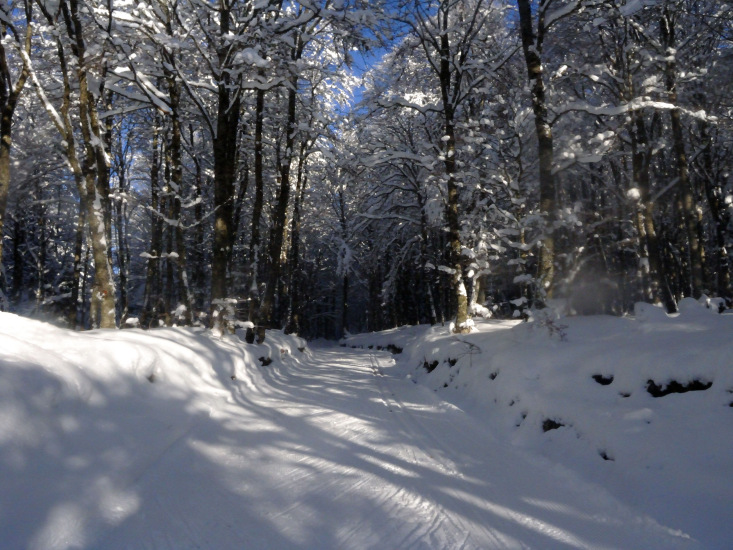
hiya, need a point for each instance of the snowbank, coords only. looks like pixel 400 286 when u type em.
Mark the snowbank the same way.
pixel 642 406
pixel 83 416
pixel 174 438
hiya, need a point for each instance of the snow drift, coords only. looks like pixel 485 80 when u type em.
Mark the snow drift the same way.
pixel 174 438
pixel 641 405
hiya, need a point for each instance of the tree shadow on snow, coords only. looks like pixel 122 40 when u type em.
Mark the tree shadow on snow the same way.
pixel 301 455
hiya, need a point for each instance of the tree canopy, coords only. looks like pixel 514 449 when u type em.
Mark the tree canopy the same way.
pixel 233 161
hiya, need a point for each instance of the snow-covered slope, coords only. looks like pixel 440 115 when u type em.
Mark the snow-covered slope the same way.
pixel 93 425
pixel 174 439
pixel 580 391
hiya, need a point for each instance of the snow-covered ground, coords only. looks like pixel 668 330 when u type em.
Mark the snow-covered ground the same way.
pixel 579 391
pixel 175 439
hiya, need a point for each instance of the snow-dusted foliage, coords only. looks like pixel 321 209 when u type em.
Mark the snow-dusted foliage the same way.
pixel 348 165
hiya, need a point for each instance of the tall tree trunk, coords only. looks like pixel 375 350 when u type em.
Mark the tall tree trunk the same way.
pixel 694 253
pixel 532 46
pixel 4 188
pixel 255 238
pixel 84 284
pixel 9 96
pixel 18 238
pixel 184 288
pixel 646 226
pixel 198 275
pixel 269 311
pixel 452 204
pixel 225 154
pixel 123 254
pixel 77 299
pixel 151 300
pixel 424 260
pixel 292 324
pixel 92 174
pixel 169 286
pixel 721 215
pixel 239 202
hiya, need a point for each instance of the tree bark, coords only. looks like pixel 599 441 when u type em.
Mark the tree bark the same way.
pixel 198 275
pixel 184 288
pixel 532 46
pixel 254 243
pixel 91 174
pixel 721 215
pixel 292 324
pixel 695 252
pixel 77 298
pixel 269 311
pixel 9 96
pixel 424 260
pixel 225 154
pixel 151 300
pixel 121 227
pixel 448 90
pixel 649 245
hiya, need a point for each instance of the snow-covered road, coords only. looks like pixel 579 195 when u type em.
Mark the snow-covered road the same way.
pixel 333 449
pixel 342 453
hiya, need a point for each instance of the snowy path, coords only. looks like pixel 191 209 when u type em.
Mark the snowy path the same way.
pixel 339 453
pixel 332 449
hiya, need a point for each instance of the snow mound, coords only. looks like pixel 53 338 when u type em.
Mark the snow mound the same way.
pixel 643 405
pixel 84 416
pixel 176 438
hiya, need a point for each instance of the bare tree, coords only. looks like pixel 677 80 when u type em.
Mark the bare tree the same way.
pixel 89 159
pixel 10 91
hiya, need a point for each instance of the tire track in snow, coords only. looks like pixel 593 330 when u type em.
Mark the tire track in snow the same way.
pixel 411 425
pixel 386 474
pixel 417 434
pixel 472 508
pixel 493 488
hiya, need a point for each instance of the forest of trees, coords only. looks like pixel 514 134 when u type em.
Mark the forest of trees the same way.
pixel 326 166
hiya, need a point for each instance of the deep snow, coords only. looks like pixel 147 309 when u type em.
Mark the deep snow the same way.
pixel 669 457
pixel 177 439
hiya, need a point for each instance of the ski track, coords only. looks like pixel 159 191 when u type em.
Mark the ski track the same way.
pixel 396 467
pixel 339 451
